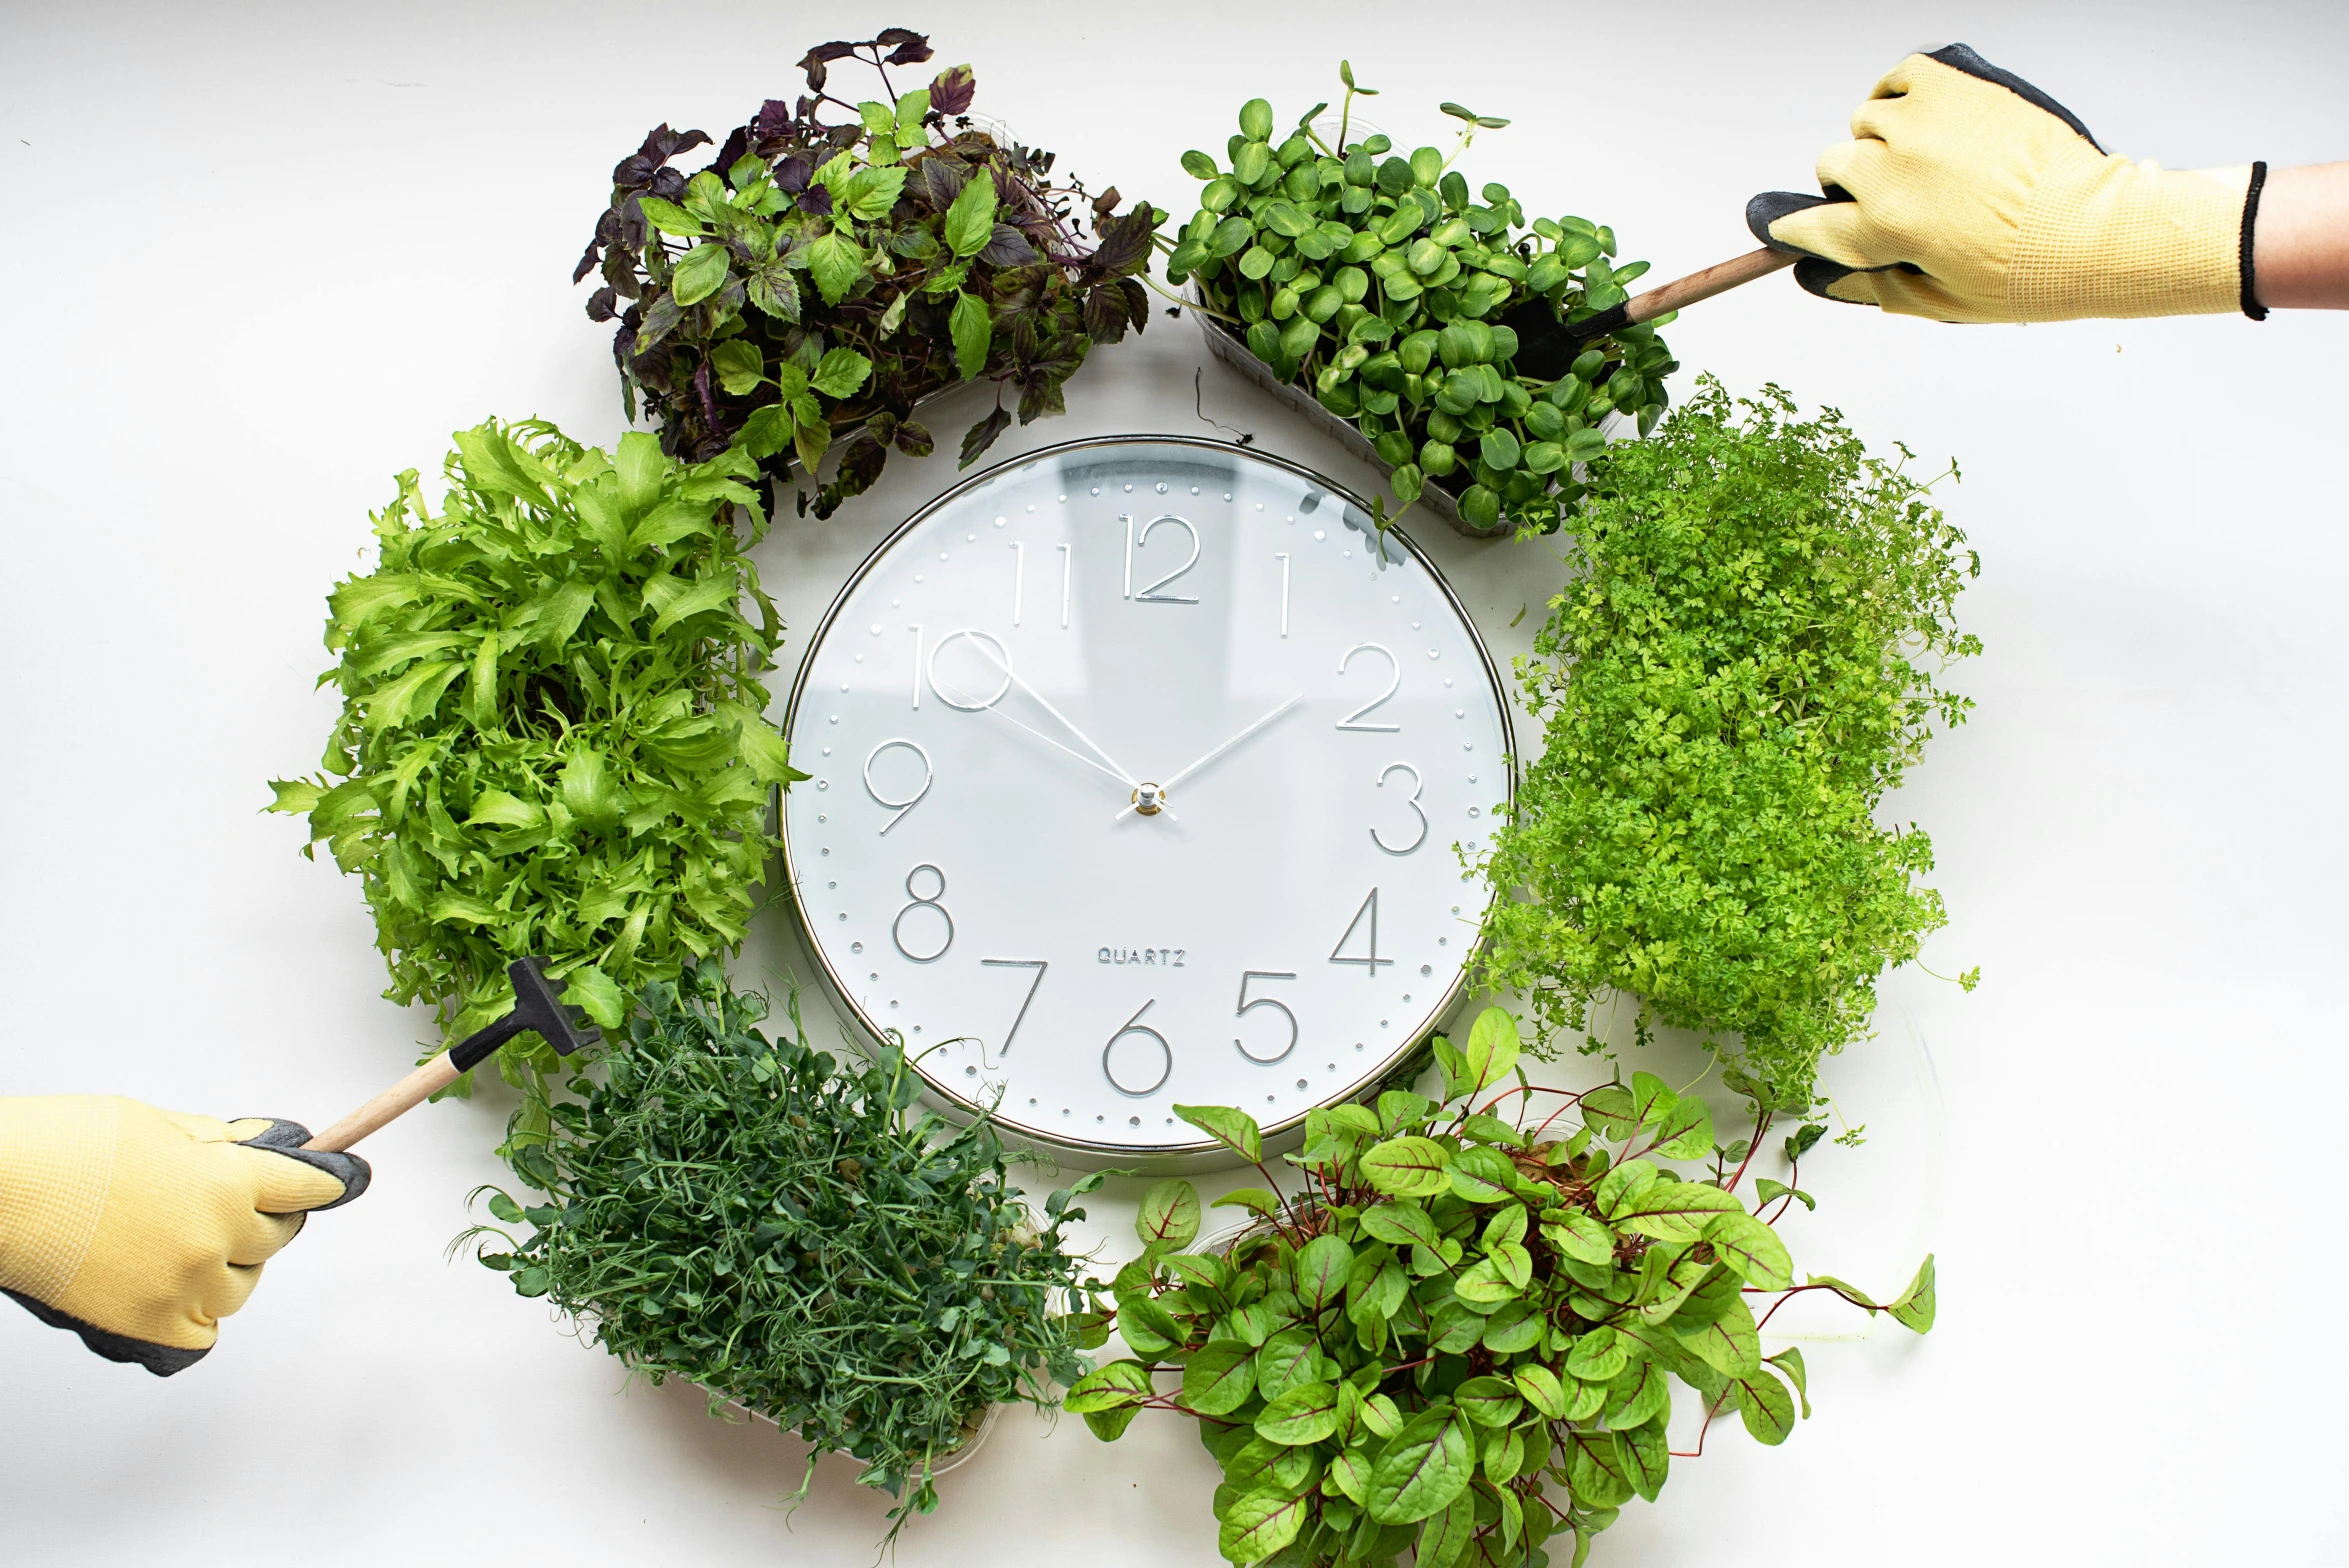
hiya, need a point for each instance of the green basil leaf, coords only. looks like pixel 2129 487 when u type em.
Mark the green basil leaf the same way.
pixel 973 330
pixel 835 261
pixel 670 218
pixel 738 364
pixel 700 273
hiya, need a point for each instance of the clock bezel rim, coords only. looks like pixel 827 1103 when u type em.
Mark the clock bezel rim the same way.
pixel 944 1096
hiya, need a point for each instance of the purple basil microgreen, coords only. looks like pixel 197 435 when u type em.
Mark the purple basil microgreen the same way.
pixel 856 236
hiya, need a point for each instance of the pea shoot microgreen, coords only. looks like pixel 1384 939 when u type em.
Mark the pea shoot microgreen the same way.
pixel 767 1221
pixel 1427 314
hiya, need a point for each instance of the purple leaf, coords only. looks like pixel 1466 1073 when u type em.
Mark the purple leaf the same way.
pixel 915 440
pixel 668 185
pixel 660 145
pixel 737 143
pixel 951 89
pixel 701 390
pixel 982 435
pixel 1125 242
pixel 914 51
pixel 942 180
pixel 792 173
pixel 817 200
pixel 1009 248
pixel 587 262
pixel 1105 313
pixel 774 119
pixel 660 319
pixel 1040 383
pixel 814 62
pixel 600 303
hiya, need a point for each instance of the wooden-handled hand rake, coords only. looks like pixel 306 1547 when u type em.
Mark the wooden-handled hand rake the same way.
pixel 1549 347
pixel 538 1007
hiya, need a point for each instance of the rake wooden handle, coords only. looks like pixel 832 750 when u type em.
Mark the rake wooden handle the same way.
pixel 410 1092
pixel 1704 285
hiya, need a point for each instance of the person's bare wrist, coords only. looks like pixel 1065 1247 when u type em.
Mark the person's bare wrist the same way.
pixel 2300 242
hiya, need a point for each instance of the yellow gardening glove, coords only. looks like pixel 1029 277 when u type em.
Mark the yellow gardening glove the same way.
pixel 1970 195
pixel 141 1229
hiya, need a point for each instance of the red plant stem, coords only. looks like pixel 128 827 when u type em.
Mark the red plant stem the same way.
pixel 1797 1290
pixel 1711 1410
pixel 1753 1147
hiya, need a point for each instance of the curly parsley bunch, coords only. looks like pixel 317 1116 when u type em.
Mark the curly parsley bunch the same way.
pixel 553 738
pixel 1749 656
pixel 764 1220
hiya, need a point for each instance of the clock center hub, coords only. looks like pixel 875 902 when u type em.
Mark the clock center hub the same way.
pixel 1149 799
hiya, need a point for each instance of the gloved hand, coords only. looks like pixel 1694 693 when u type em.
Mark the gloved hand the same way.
pixel 1970 195
pixel 141 1229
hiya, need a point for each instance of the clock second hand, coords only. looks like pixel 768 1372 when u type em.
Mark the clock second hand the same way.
pixel 1219 751
pixel 1065 751
pixel 1013 675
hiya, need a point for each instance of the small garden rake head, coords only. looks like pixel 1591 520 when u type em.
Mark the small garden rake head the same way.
pixel 538 1008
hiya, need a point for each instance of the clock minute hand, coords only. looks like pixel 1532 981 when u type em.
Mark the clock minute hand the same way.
pixel 1014 676
pixel 1226 746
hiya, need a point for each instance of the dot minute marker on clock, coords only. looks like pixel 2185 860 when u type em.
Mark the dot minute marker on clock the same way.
pixel 1146 771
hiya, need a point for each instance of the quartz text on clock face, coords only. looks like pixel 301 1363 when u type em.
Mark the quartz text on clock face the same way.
pixel 1144 772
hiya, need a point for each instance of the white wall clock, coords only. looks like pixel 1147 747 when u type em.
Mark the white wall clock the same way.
pixel 1143 772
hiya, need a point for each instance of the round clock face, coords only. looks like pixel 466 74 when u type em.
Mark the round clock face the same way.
pixel 1143 773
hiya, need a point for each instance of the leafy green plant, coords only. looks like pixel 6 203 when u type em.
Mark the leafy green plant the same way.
pixel 1428 316
pixel 766 1221
pixel 1749 654
pixel 1458 1308
pixel 552 738
pixel 823 276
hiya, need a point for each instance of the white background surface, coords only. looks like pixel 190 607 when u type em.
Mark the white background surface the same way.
pixel 259 258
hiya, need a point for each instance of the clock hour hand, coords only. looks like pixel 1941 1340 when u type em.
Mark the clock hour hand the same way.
pixel 1220 750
